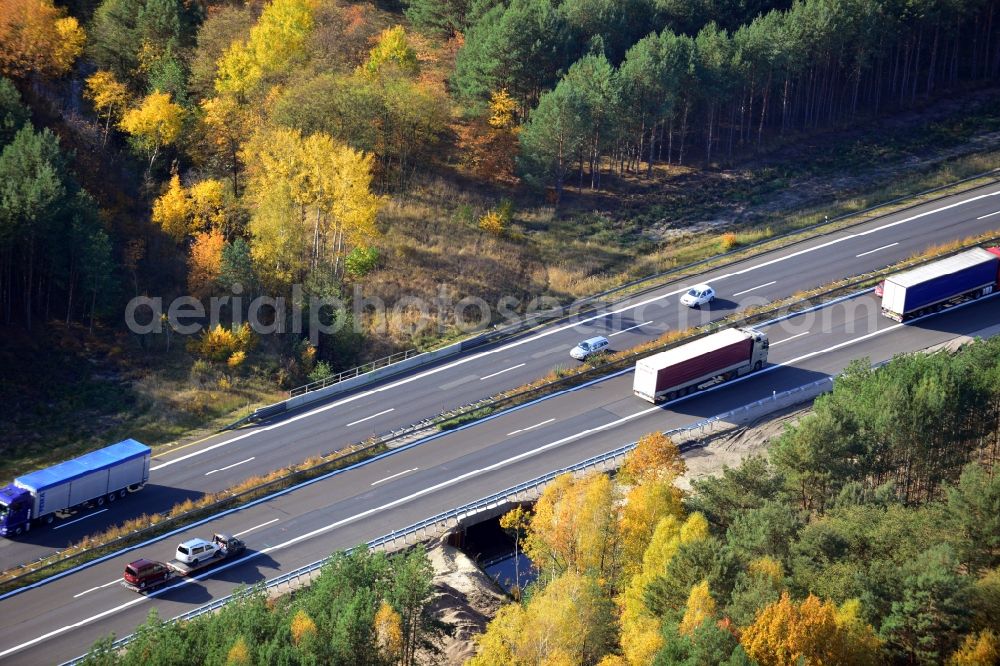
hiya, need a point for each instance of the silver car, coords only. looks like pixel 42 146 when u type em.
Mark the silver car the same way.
pixel 588 347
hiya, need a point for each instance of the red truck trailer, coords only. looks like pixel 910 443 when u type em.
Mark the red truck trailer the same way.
pixel 702 362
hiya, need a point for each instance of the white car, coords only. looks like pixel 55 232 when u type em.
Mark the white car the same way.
pixel 588 347
pixel 698 295
pixel 193 551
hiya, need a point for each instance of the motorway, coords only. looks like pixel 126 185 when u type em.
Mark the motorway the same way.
pixel 59 620
pixel 222 460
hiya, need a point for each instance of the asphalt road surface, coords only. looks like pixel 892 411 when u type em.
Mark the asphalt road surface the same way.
pixel 226 459
pixel 59 620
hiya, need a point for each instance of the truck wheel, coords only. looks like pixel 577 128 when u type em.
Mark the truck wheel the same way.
pixel 49 518
pixel 112 497
pixel 122 492
pixel 18 530
pixel 756 366
pixel 99 501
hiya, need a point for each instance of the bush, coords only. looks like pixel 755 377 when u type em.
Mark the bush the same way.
pixel 361 261
pixel 320 372
pixel 492 223
pixel 220 344
pixel 728 241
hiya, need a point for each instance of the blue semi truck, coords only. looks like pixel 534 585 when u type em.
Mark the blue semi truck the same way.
pixel 90 480
pixel 941 283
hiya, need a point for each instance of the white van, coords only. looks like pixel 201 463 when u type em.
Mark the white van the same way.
pixel 588 347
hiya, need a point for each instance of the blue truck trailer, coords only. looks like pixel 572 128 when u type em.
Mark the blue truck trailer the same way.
pixel 936 285
pixel 92 479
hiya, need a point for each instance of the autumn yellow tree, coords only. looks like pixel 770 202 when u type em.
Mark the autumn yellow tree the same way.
pixel 569 621
pixel 302 628
pixel 645 506
pixel 612 660
pixel 36 37
pixel 337 187
pixel 651 467
pixel 575 528
pixel 276 42
pixel 205 262
pixel 641 636
pixel 182 212
pixel 502 109
pixel 239 653
pixel 392 53
pixel 858 642
pixel 571 615
pixel 172 210
pixel 312 201
pixel 700 607
pixel 516 522
pixel 769 568
pixel 490 147
pixel 497 645
pixel 978 649
pixel 811 633
pixel 109 97
pixel 227 124
pixel 155 123
pixel 208 206
pixel 655 456
pixel 389 632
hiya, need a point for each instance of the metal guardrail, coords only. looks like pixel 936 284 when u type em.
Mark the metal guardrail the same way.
pixel 353 372
pixel 504 496
pixel 591 302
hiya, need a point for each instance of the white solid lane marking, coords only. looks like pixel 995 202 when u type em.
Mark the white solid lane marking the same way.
pixel 537 425
pixel 797 335
pixel 513 367
pixel 204 450
pixel 89 515
pixel 558 329
pixel 884 247
pixel 98 587
pixel 760 286
pixel 646 323
pixel 256 527
pixel 983 217
pixel 369 418
pixel 393 476
pixel 223 469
